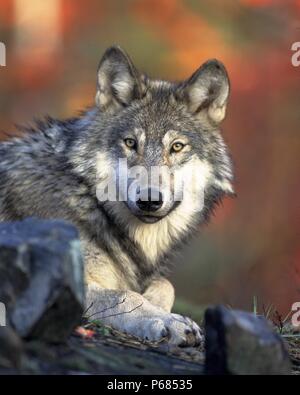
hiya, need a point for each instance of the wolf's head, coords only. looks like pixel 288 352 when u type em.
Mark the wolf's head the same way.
pixel 158 145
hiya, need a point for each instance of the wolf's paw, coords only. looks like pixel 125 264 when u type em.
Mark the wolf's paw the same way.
pixel 177 330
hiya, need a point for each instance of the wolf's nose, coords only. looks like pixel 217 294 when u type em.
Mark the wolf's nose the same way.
pixel 151 202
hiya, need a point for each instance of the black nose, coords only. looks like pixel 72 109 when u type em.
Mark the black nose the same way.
pixel 153 203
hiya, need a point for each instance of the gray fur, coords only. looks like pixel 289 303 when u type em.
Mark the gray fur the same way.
pixel 51 172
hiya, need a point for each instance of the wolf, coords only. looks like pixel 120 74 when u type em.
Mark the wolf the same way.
pixel 61 169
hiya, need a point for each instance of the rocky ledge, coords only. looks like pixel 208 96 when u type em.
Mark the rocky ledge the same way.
pixel 43 330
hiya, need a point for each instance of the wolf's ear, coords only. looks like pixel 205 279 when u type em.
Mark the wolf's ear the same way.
pixel 118 82
pixel 208 90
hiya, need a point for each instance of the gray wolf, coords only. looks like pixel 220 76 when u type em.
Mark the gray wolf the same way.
pixel 58 169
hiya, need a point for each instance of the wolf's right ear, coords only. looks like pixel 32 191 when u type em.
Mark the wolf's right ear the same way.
pixel 118 81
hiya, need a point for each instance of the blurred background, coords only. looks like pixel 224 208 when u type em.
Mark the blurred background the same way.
pixel 252 245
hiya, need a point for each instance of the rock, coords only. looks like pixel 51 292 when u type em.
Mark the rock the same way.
pixel 41 278
pixel 241 343
pixel 11 348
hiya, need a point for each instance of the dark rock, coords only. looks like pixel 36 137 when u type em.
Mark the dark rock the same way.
pixel 11 348
pixel 241 343
pixel 41 278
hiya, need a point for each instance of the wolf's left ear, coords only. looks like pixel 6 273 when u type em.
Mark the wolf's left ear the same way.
pixel 208 90
pixel 118 82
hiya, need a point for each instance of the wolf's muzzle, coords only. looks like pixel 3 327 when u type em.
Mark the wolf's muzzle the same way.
pixel 150 201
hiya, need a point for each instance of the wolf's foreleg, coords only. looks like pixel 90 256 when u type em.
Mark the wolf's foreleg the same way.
pixel 160 292
pixel 130 312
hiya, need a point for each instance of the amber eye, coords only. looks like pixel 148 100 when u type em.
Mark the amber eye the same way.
pixel 130 143
pixel 177 147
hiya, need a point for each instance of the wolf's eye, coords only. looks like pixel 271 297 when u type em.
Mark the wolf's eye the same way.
pixel 130 143
pixel 177 147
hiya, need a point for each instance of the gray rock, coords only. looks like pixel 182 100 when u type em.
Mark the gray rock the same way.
pixel 11 348
pixel 241 343
pixel 41 278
